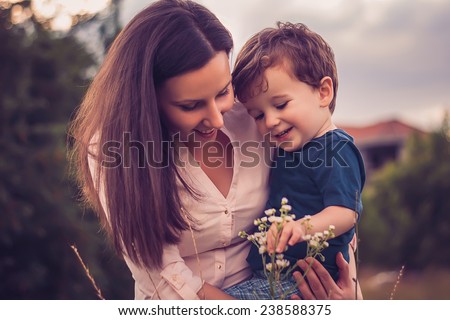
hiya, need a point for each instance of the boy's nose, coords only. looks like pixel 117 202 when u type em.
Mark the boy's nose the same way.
pixel 271 121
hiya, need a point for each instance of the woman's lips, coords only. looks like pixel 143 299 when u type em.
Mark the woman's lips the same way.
pixel 206 133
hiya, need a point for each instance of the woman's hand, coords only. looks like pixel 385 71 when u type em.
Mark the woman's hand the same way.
pixel 320 284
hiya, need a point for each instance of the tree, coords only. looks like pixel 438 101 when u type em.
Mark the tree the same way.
pixel 407 218
pixel 43 77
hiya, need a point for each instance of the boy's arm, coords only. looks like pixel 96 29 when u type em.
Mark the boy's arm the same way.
pixel 340 185
pixel 343 219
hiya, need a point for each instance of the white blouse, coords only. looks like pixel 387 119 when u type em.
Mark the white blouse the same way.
pixel 212 251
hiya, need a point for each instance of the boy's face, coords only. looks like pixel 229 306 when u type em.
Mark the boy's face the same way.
pixel 290 111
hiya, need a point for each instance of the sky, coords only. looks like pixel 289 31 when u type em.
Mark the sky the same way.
pixel 393 56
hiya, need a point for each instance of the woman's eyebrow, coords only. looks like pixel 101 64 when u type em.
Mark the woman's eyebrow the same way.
pixel 197 100
pixel 186 101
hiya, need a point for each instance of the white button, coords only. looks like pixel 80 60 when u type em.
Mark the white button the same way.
pixel 219 266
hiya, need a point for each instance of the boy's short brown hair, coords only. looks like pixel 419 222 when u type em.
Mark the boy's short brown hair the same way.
pixel 303 53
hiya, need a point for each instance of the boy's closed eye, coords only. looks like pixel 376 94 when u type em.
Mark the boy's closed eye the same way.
pixel 282 105
pixel 260 116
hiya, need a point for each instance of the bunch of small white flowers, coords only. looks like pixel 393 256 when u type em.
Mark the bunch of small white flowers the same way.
pixel 278 268
pixel 318 241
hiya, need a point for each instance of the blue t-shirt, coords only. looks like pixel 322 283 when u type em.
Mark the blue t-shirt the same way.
pixel 327 171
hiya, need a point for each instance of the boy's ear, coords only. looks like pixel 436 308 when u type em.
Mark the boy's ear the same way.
pixel 326 91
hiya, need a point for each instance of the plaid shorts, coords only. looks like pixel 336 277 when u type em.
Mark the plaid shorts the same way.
pixel 257 288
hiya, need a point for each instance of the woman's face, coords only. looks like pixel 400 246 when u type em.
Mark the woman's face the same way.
pixel 193 103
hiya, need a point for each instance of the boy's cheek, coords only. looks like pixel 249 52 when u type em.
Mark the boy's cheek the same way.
pixel 262 127
pixel 268 139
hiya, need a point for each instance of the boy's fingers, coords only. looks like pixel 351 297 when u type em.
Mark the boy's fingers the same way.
pixel 295 238
pixel 271 234
pixel 285 235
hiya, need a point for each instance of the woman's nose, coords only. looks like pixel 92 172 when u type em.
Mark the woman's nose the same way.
pixel 214 117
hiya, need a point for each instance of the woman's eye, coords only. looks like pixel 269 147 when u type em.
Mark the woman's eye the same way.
pixel 224 93
pixel 188 107
pixel 259 116
pixel 281 106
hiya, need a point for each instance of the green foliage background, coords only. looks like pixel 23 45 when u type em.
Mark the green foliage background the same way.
pixel 42 80
pixel 407 207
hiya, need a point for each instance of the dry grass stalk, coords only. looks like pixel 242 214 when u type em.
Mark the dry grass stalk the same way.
pixel 399 277
pixel 86 270
pixel 355 247
pixel 196 254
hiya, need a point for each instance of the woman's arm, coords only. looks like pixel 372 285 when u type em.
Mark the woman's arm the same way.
pixel 173 281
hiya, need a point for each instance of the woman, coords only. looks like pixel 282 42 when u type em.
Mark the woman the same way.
pixel 157 154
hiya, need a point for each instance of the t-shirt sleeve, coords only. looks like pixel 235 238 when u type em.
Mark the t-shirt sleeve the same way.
pixel 339 175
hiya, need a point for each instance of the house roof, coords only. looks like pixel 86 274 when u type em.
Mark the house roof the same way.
pixel 386 131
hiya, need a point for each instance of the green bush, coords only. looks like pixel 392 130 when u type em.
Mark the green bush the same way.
pixel 406 206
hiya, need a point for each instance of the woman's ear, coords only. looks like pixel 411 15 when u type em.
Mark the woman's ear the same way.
pixel 326 91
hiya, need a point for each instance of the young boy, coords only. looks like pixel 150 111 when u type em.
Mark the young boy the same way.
pixel 286 77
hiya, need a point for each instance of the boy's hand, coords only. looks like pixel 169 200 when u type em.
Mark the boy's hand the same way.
pixel 291 233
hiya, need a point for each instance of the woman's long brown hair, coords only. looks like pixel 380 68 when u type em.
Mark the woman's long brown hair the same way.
pixel 142 203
